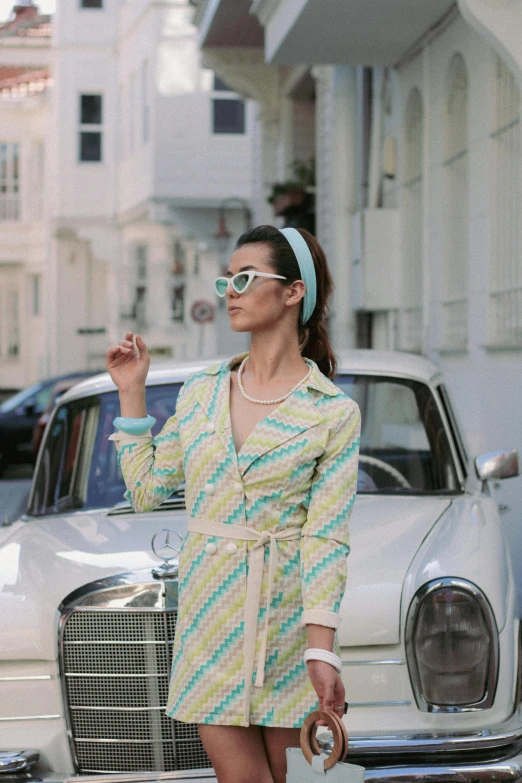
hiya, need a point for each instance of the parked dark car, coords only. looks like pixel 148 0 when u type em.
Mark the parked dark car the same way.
pixel 59 388
pixel 19 415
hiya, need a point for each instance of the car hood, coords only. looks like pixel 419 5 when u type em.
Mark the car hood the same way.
pixel 43 560
pixel 386 533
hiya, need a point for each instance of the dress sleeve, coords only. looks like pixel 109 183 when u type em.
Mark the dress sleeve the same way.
pixel 325 535
pixel 152 467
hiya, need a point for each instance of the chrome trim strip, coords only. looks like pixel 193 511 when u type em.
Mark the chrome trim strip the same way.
pixel 118 676
pixel 390 662
pixel 29 677
pixel 152 609
pixel 492 676
pixel 116 641
pixel 31 717
pixel 104 741
pixel 137 777
pixel 115 709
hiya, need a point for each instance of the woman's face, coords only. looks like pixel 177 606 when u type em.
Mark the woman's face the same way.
pixel 263 304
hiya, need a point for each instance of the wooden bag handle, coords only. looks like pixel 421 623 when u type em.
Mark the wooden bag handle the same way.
pixel 309 743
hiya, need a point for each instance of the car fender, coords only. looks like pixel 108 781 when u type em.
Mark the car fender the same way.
pixel 468 542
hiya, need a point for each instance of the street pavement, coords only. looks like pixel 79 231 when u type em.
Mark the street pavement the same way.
pixel 14 492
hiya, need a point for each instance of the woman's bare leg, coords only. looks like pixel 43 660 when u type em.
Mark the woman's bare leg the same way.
pixel 237 753
pixel 276 742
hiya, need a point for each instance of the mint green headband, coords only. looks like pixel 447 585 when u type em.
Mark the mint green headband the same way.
pixel 306 268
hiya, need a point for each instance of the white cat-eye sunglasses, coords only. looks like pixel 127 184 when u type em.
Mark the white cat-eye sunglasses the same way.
pixel 241 281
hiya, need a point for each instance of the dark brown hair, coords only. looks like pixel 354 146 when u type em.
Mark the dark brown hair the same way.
pixel 314 340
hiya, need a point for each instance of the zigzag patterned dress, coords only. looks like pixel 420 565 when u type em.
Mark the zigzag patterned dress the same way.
pixel 296 471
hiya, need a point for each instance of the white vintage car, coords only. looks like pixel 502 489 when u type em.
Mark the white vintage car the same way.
pixel 430 632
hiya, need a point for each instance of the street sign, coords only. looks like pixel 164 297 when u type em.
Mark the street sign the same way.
pixel 202 311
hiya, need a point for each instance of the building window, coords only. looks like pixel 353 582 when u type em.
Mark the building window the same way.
pixel 228 109
pixel 505 275
pixel 139 308
pixel 454 306
pixel 410 324
pixel 36 283
pixel 145 109
pixel 177 303
pixel 38 179
pixel 132 111
pixel 91 127
pixel 91 3
pixel 13 324
pixel 9 181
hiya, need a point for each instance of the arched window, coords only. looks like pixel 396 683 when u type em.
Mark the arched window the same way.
pixel 505 300
pixel 410 325
pixel 454 315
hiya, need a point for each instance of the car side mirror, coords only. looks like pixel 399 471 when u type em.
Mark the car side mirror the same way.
pixel 497 464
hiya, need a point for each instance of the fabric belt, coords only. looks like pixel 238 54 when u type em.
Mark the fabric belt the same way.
pixel 254 582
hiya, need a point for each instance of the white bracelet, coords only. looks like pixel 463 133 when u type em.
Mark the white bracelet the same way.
pixel 318 654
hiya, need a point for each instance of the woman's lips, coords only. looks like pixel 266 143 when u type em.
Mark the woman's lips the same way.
pixel 232 310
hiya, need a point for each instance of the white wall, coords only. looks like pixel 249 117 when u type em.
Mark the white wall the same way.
pixel 485 383
pixel 23 242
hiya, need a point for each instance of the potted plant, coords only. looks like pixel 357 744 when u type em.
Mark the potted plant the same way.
pixel 292 194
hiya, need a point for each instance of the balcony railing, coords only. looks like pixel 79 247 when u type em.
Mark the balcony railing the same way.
pixel 505 317
pixel 410 329
pixel 454 324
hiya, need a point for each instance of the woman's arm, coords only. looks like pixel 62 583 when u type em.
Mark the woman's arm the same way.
pixel 325 535
pixel 324 548
pixel 152 469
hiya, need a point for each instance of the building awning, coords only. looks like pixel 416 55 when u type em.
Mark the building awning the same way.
pixel 228 23
pixel 352 32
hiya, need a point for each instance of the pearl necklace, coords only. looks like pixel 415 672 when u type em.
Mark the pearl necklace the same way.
pixel 267 402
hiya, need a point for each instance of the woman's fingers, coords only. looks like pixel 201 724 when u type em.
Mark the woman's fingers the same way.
pixel 328 695
pixel 139 342
pixel 117 352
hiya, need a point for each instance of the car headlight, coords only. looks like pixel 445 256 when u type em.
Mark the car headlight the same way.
pixel 452 647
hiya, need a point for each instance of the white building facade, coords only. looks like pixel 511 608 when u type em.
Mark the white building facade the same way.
pixel 126 157
pixel 418 204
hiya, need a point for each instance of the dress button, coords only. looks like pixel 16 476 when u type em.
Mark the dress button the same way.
pixel 210 428
pixel 209 489
pixel 210 548
pixel 238 486
pixel 231 548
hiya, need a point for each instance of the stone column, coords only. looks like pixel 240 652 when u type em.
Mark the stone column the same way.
pixel 336 188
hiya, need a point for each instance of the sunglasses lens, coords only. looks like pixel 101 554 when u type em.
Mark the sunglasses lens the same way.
pixel 241 282
pixel 221 286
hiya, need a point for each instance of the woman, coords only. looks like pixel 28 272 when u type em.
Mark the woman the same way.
pixel 268 447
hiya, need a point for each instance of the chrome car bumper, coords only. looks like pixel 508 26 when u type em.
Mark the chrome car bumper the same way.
pixel 493 754
pixel 499 771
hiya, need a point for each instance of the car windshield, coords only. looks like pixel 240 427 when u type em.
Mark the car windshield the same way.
pixel 404 444
pixel 78 466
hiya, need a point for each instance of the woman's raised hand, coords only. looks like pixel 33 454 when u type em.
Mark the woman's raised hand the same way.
pixel 128 363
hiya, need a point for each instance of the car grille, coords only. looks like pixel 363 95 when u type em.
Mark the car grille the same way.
pixel 115 667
